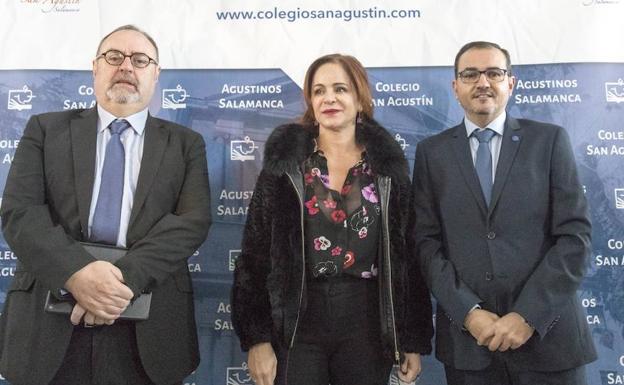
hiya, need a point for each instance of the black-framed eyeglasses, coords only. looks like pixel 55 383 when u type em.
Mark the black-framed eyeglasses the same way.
pixel 494 75
pixel 115 58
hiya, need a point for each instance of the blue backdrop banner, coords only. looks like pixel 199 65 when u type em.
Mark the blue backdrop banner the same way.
pixel 235 111
pixel 233 71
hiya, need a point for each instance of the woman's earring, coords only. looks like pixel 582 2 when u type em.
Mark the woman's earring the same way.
pixel 358 118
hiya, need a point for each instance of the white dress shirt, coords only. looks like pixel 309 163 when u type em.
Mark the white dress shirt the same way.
pixel 132 140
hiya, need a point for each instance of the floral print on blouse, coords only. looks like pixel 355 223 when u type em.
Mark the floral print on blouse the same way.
pixel 341 227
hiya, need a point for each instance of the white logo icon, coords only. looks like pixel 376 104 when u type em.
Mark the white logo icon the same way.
pixel 401 141
pixel 20 99
pixel 173 98
pixel 239 376
pixel 619 198
pixel 242 149
pixel 232 259
pixel 615 91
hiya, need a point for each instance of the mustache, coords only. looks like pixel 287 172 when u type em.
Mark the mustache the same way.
pixel 477 94
pixel 124 78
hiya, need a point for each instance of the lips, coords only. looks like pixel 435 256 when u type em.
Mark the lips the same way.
pixel 483 95
pixel 330 111
pixel 127 81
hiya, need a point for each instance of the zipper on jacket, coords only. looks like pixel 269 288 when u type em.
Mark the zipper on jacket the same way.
pixel 385 227
pixel 303 267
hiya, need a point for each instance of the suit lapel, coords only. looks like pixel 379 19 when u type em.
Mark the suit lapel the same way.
pixel 461 149
pixel 509 148
pixel 83 132
pixel 156 137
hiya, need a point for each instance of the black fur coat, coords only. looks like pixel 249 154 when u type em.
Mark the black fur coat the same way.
pixel 268 290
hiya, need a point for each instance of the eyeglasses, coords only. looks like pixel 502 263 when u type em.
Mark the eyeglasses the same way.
pixel 138 59
pixel 494 75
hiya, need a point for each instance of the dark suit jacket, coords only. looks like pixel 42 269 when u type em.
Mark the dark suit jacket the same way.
pixel 45 211
pixel 526 253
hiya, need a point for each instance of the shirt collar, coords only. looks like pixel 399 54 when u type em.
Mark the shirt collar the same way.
pixel 497 125
pixel 137 120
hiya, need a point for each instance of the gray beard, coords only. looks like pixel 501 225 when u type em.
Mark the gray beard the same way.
pixel 122 96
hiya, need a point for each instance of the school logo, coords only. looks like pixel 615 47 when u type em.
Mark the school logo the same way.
pixel 51 6
pixel 614 91
pixel 238 376
pixel 402 142
pixel 174 98
pixel 20 99
pixel 619 198
pixel 232 259
pixel 242 149
pixel 589 3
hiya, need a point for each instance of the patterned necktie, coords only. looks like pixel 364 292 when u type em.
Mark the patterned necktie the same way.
pixel 105 225
pixel 483 163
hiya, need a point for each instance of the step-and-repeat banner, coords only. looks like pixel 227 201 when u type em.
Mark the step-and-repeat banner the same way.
pixel 232 72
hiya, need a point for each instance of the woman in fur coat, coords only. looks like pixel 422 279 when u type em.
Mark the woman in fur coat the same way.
pixel 321 291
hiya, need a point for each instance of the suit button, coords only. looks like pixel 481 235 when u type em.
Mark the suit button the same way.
pixel 488 276
pixel 491 235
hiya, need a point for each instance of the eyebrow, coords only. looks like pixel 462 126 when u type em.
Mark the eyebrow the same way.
pixel 488 68
pixel 124 52
pixel 334 84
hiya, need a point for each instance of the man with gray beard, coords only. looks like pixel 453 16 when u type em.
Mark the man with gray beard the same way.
pixel 111 175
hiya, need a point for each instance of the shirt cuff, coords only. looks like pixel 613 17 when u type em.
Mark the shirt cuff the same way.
pixel 475 307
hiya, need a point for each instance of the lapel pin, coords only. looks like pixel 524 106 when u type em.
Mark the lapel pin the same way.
pixel 515 138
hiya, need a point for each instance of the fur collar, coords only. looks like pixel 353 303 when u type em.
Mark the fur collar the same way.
pixel 289 146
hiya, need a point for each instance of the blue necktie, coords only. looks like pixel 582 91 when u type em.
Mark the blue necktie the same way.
pixel 483 163
pixel 105 225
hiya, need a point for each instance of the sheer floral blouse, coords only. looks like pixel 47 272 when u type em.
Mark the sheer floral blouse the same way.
pixel 341 227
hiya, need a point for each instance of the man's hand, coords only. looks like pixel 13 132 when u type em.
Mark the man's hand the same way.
pixel 510 331
pixel 262 363
pixel 99 289
pixel 410 368
pixel 479 320
pixel 78 313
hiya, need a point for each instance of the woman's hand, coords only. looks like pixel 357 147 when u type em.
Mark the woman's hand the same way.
pixel 262 363
pixel 410 368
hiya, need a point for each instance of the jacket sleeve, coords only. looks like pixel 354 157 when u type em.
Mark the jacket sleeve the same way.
pixel 42 246
pixel 251 309
pixel 417 328
pixel 177 234
pixel 455 297
pixel 559 274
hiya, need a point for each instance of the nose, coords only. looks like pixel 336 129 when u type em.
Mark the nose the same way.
pixel 329 97
pixel 126 65
pixel 483 81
